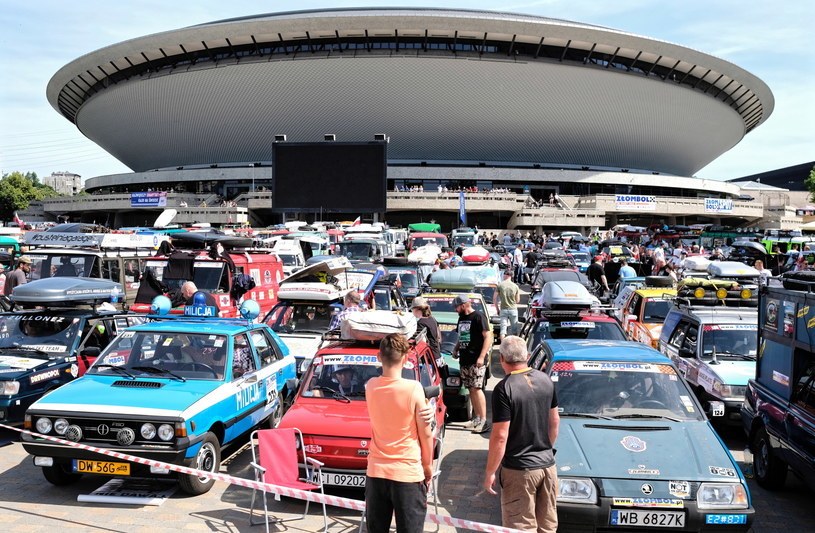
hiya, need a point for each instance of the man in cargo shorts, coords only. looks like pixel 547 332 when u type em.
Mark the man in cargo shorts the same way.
pixel 473 346
pixel 525 426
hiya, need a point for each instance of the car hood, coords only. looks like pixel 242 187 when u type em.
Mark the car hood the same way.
pixel 303 345
pixel 116 394
pixel 641 450
pixel 14 364
pixel 734 372
pixel 329 417
pixel 654 329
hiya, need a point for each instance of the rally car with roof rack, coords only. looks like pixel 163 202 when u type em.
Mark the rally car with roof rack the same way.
pixel 642 310
pixel 172 390
pixel 330 408
pixel 44 348
pixel 711 334
pixel 635 450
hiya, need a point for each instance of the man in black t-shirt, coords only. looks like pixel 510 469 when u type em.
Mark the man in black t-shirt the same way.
pixel 525 426
pixel 474 343
pixel 597 274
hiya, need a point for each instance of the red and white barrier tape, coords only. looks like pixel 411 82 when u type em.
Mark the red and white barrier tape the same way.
pixel 316 497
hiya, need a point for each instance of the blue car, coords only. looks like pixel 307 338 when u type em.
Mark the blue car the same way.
pixel 635 450
pixel 176 391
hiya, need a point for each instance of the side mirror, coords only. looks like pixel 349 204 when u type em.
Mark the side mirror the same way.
pixel 91 351
pixel 292 384
pixel 432 392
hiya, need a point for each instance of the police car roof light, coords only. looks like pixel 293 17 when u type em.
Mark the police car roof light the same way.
pixel 249 309
pixel 160 305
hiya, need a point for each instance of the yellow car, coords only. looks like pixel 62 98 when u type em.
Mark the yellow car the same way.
pixel 643 311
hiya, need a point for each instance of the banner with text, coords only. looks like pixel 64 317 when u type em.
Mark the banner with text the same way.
pixel 148 199
pixel 634 202
pixel 718 205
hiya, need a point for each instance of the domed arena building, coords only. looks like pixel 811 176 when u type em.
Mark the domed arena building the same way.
pixel 518 107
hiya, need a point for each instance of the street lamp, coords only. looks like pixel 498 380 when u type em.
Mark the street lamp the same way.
pixel 253 177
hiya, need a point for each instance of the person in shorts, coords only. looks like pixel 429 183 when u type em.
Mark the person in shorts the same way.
pixel 473 346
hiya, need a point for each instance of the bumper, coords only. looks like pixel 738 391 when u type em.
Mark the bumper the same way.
pixel 12 410
pixel 585 518
pixel 455 399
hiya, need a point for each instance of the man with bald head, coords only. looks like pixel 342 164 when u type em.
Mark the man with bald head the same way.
pixel 185 294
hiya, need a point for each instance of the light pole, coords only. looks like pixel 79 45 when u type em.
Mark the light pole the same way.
pixel 253 177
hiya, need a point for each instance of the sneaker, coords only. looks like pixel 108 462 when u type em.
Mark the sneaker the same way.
pixel 482 427
pixel 474 422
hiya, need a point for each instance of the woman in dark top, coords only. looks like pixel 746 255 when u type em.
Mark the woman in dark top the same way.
pixel 422 313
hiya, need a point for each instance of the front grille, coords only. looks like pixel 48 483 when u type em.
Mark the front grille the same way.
pixel 112 432
pixel 137 384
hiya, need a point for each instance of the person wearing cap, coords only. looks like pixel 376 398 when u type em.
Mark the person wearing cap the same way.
pixel 474 343
pixel 424 319
pixel 596 273
pixel 18 275
pixel 344 376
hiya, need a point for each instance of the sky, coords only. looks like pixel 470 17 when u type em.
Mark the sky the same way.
pixel 771 40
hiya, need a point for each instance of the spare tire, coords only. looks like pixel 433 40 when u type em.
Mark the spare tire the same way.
pixel 659 281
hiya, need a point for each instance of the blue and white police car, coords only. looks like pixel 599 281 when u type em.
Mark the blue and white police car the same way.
pixel 174 390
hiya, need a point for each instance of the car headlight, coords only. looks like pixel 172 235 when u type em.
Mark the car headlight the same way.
pixel 60 426
pixel 733 391
pixel 9 387
pixel 43 425
pixel 166 432
pixel 148 431
pixel 576 490
pixel 454 382
pixel 721 496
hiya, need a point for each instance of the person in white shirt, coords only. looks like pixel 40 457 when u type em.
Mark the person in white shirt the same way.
pixel 518 263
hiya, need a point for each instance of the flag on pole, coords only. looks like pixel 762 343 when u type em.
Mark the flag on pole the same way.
pixel 462 213
pixel 357 221
pixel 18 220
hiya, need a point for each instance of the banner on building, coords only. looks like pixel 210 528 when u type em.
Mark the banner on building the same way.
pixel 635 202
pixel 462 210
pixel 148 199
pixel 718 205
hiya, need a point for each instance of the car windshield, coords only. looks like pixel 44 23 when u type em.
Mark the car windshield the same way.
pixel 291 317
pixel 463 240
pixel 49 333
pixel 622 390
pixel 343 376
pixel 556 275
pixel 407 278
pixel 424 241
pixel 655 311
pixel 56 265
pixel 444 304
pixel 355 250
pixel 164 354
pixel 487 292
pixel 577 329
pixel 288 259
pixel 736 339
pixel 449 337
pixel 580 257
pixel 209 276
pixel 617 251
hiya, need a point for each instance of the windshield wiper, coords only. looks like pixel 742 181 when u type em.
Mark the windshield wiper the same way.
pixel 156 370
pixel 337 395
pixel 732 354
pixel 116 368
pixel 317 331
pixel 640 415
pixel 586 415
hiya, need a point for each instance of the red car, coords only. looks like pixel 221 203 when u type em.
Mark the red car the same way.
pixel 331 412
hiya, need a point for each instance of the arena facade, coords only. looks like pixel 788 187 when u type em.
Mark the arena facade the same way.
pixel 524 104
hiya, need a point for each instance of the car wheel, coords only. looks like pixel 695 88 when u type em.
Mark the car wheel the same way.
pixel 207 459
pixel 771 472
pixel 59 475
pixel 277 415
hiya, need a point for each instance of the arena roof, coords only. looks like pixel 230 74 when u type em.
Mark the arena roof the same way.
pixel 444 85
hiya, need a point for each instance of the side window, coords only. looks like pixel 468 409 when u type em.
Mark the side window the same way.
pixel 243 361
pixel 804 393
pixel 263 346
pixel 634 307
pixel 678 334
pixel 132 270
pixel 426 370
pixel 691 338
pixel 536 358
pixel 110 269
pixel 98 334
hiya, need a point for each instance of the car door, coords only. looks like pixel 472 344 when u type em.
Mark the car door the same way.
pixel 632 308
pixel 688 353
pixel 272 370
pixel 247 386
pixel 799 422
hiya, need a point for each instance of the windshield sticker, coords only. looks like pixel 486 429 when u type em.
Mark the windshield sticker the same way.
pixel 680 489
pixel 642 471
pixel 50 348
pixel 686 401
pixel 725 327
pixel 781 378
pixel 408 365
pixel 218 343
pixel 115 360
pixel 44 376
pixel 447 327
pixel 19 362
pixel 589 325
pixel 350 359
pixel 648 502
pixel 128 334
pixel 599 366
pixel 633 444
pixel 721 471
pixel 168 341
pixel 212 337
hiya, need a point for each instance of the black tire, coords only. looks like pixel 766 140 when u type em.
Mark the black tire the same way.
pixel 277 415
pixel 771 472
pixel 59 475
pixel 461 414
pixel 208 459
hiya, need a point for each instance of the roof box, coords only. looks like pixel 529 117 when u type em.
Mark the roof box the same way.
pixel 731 269
pixel 67 292
pixel 697 264
pixel 427 254
pixel 375 325
pixel 567 295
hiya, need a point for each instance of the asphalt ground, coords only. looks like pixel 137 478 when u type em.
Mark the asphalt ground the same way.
pixel 29 503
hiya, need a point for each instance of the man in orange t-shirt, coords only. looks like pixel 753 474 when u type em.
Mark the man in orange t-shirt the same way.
pixel 401 452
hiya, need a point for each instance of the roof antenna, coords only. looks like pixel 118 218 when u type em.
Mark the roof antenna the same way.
pixel 714 360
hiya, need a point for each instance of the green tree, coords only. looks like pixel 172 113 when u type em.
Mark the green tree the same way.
pixel 16 191
pixel 809 181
